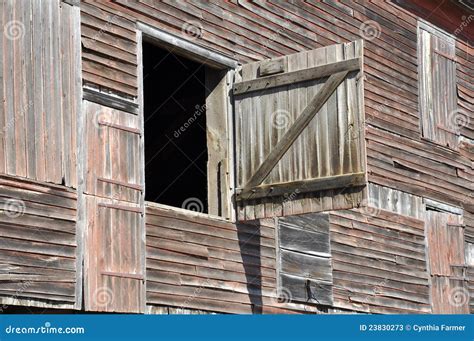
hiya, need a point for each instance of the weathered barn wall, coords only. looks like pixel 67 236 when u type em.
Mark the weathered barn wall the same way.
pixel 40 90
pixel 109 55
pixel 397 156
pixel 379 262
pixel 400 163
pixel 222 267
pixel 196 262
pixel 38 245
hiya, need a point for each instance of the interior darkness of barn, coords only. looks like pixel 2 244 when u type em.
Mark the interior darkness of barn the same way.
pixel 175 128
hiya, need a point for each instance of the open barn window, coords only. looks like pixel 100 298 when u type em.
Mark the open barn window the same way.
pixel 186 125
pixel 175 129
pixel 437 83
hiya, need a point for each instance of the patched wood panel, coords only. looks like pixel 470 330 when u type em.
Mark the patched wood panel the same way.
pixel 305 267
pixel 38 245
pixel 40 90
pixel 389 199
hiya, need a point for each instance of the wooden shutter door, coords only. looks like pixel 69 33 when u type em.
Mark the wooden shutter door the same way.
pixel 445 239
pixel 438 96
pixel 114 244
pixel 299 133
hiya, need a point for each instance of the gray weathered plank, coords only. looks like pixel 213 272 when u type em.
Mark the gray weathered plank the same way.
pixel 295 130
pixel 296 76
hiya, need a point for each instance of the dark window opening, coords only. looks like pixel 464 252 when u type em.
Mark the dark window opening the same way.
pixel 175 130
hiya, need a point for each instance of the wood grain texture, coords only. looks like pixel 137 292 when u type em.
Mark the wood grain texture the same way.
pixel 39 109
pixel 275 137
pixel 112 140
pixel 198 262
pixel 304 259
pixel 379 262
pixel 38 246
pixel 113 268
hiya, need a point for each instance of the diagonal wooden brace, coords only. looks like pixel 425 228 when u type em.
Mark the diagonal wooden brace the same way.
pixel 295 130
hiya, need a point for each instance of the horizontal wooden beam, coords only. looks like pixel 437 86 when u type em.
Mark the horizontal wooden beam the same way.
pixel 297 76
pixel 120 127
pixel 296 128
pixel 72 2
pixel 442 206
pixel 121 183
pixel 304 186
pixel 122 275
pixel 445 55
pixel 110 101
pixel 182 46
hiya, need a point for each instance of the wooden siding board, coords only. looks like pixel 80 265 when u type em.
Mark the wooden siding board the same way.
pixel 378 276
pixel 38 254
